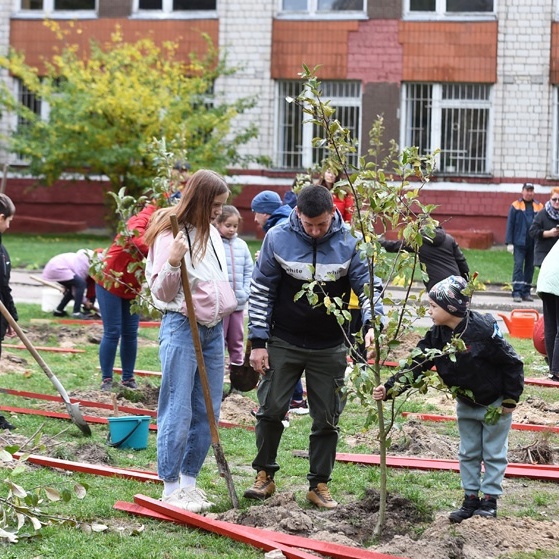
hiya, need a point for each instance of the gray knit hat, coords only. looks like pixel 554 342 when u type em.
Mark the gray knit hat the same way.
pixel 448 294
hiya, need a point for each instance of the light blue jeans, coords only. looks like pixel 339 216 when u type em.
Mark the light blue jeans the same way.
pixel 119 325
pixel 183 431
pixel 482 443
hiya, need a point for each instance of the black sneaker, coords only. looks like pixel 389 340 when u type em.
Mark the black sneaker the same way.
pixel 5 424
pixel 488 507
pixel 59 313
pixel 469 507
pixel 107 384
pixel 130 383
pixel 527 298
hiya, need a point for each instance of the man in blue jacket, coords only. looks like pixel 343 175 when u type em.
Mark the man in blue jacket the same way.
pixel 289 335
pixel 519 242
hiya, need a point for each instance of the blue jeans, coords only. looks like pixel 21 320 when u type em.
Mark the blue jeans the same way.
pixel 119 325
pixel 183 430
pixel 482 443
pixel 523 271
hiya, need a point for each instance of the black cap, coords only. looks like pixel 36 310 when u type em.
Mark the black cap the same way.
pixel 528 186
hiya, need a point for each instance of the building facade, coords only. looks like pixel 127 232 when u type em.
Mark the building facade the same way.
pixel 477 79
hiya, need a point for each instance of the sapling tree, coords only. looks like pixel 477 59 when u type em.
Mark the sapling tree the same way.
pixel 386 184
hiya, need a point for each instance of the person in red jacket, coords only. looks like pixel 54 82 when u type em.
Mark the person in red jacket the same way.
pixel 120 285
pixel 343 201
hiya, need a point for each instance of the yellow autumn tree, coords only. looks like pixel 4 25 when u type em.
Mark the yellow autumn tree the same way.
pixel 107 107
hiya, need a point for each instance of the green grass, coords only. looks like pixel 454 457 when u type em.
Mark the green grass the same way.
pixel 431 491
pixel 32 252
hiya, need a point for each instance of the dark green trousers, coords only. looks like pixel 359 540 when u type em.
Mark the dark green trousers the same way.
pixel 324 372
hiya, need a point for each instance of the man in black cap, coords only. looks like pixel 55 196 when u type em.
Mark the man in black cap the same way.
pixel 519 242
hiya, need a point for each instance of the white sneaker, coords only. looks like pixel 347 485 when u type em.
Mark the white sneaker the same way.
pixel 192 500
pixel 197 494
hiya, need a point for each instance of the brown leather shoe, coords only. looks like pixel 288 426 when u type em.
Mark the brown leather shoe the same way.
pixel 320 496
pixel 262 488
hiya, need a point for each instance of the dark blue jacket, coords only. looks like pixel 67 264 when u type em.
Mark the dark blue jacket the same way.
pixel 489 368
pixel 519 221
pixel 278 217
pixel 290 258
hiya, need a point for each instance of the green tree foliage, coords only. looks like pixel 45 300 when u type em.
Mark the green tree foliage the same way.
pixel 107 105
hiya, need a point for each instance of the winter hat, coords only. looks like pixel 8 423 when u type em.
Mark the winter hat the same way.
pixel 266 202
pixel 448 295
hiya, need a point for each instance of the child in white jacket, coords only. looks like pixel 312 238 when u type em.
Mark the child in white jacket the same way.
pixel 239 268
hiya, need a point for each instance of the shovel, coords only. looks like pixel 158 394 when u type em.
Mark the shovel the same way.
pixel 222 465
pixel 73 409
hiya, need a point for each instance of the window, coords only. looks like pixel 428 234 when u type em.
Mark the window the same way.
pixel 323 6
pixel 294 138
pixel 452 117
pixel 58 5
pixel 176 5
pixel 448 7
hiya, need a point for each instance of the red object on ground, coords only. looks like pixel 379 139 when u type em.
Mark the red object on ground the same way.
pixel 95 469
pixel 45 348
pixel 542 382
pixel 538 336
pixel 257 537
pixel 517 426
pixel 543 472
pixel 140 373
pixel 143 324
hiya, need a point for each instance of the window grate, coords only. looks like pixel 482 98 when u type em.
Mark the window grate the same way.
pixel 295 150
pixel 454 118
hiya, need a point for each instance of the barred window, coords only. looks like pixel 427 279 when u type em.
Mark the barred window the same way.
pixel 294 135
pixel 452 117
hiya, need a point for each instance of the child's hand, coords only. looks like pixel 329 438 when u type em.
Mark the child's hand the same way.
pixel 379 393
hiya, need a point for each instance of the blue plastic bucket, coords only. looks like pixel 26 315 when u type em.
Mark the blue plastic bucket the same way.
pixel 130 431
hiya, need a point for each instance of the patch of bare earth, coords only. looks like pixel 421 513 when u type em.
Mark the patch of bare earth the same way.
pixel 353 523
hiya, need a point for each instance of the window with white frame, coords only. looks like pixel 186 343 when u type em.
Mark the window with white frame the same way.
pixel 168 6
pixel 448 7
pixel 322 6
pixel 58 5
pixel 294 135
pixel 452 117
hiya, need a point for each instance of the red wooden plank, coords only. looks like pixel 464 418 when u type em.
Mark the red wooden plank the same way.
pixel 84 403
pixel 95 469
pixel 545 472
pixel 59 415
pixel 140 373
pixel 334 550
pixel 143 323
pixel 46 348
pixel 517 426
pixel 542 382
pixel 261 539
pixel 101 405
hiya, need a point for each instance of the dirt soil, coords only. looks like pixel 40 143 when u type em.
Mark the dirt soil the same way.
pixel 352 523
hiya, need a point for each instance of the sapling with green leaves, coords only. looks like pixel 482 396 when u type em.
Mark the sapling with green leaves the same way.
pixel 386 184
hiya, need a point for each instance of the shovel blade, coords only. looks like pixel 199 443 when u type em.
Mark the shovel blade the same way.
pixel 77 418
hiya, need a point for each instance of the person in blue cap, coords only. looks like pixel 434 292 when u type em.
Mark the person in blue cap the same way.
pixel 269 211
